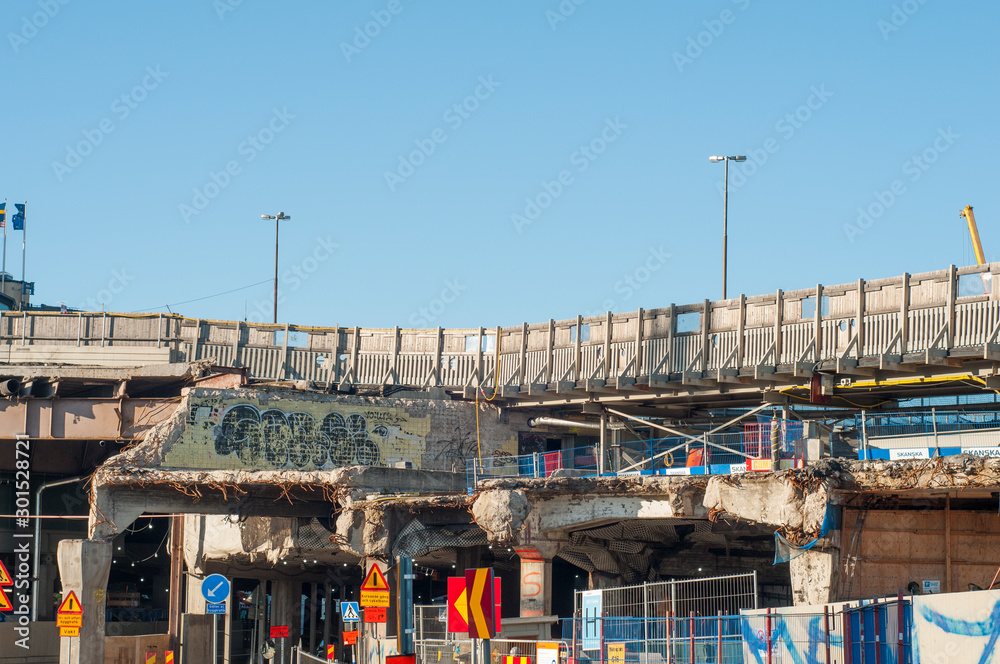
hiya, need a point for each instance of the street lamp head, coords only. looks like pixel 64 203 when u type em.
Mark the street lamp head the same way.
pixel 739 157
pixel 282 215
pixel 715 159
pixel 266 216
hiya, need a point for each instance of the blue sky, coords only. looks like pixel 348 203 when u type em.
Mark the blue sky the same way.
pixel 467 164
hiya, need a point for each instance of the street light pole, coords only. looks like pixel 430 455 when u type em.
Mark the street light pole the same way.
pixel 277 219
pixel 725 216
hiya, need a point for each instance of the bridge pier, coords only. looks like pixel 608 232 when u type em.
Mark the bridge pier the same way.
pixel 84 566
pixel 815 577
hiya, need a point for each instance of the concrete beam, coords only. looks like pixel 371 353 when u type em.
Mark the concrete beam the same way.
pixel 83 419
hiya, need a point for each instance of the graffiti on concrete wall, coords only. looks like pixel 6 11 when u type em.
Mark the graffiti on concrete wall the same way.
pixel 298 440
pixel 297 434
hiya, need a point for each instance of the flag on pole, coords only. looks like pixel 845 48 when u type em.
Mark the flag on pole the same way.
pixel 3 214
pixel 18 218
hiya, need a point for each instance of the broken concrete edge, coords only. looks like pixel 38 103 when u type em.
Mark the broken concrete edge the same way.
pixel 794 502
pixel 189 370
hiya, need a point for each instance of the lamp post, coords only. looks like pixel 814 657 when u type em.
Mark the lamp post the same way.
pixel 277 219
pixel 725 213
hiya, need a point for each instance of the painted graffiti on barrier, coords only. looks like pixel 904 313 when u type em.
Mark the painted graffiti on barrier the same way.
pixel 782 640
pixel 988 628
pixel 275 439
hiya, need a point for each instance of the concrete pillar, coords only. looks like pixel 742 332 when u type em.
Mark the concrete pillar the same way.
pixel 84 566
pixel 195 600
pixel 313 601
pixel 815 577
pixel 286 600
pixel 536 587
pixel 536 578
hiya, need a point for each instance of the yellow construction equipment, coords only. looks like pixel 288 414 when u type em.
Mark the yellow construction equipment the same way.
pixel 976 244
pixel 974 232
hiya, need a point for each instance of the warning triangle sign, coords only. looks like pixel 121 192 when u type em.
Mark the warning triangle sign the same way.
pixel 375 580
pixel 5 604
pixel 71 604
pixel 5 579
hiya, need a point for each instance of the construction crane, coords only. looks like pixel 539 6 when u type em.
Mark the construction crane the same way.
pixel 976 244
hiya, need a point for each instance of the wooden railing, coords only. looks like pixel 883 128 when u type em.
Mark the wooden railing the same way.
pixel 884 322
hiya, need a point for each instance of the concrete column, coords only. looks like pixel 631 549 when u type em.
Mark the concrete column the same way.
pixel 815 577
pixel 536 587
pixel 195 600
pixel 285 608
pixel 84 566
pixel 536 578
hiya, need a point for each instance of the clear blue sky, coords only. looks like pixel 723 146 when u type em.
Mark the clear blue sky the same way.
pixel 313 117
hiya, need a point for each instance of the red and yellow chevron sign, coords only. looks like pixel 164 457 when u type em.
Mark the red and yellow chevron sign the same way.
pixel 168 657
pixel 479 587
pixel 458 605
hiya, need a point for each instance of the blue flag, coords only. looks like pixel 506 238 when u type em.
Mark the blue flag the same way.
pixel 3 214
pixel 18 217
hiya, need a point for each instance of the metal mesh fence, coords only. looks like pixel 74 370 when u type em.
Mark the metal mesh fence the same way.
pixel 652 621
pixel 929 422
pixel 653 455
pixel 434 643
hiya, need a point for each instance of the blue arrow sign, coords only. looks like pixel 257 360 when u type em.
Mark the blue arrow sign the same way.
pixel 215 588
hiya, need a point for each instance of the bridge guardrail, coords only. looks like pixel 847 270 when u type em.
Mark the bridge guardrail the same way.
pixel 881 321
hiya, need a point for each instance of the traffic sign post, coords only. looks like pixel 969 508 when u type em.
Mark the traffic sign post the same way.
pixel 215 590
pixel 350 611
pixel 375 590
pixel 479 588
pixel 69 618
pixel 280 632
pixel 482 623
pixel 375 614
pixel 458 605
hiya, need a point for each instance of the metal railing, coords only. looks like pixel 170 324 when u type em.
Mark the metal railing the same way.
pixel 882 320
pixel 646 623
pixel 877 631
pixel 935 429
pixel 712 453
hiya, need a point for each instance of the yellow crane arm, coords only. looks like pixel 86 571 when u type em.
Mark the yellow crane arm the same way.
pixel 974 232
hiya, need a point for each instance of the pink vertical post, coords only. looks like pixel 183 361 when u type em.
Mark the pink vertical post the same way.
pixel 876 618
pixel 826 632
pixel 718 642
pixel 900 626
pixel 691 631
pixel 846 618
pixel 769 636
pixel 670 636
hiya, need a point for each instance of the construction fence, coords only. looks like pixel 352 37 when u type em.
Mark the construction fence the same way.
pixel 717 620
pixel 709 454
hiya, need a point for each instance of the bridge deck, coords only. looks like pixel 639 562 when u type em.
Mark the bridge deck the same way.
pixel 714 351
